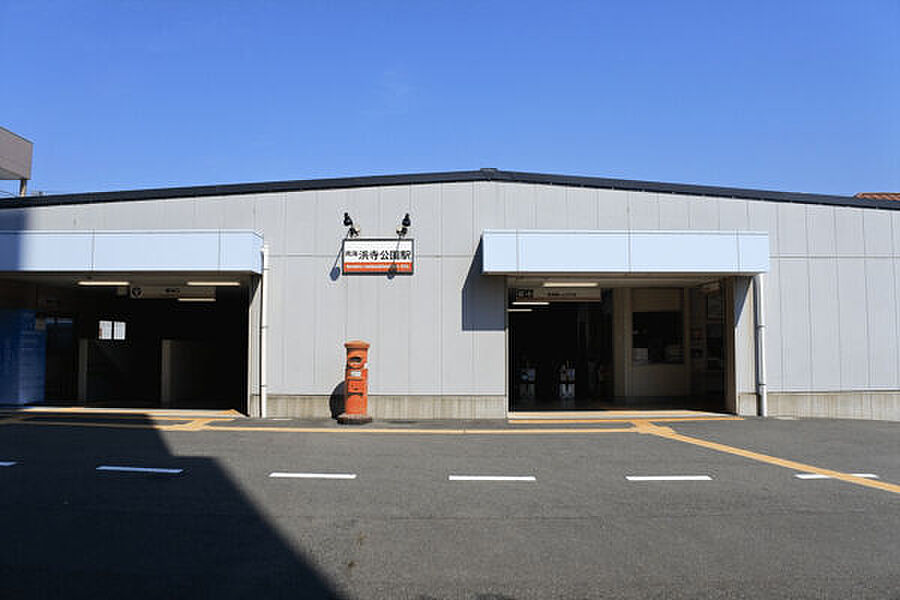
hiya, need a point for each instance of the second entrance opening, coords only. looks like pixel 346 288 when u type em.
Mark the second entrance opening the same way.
pixel 616 348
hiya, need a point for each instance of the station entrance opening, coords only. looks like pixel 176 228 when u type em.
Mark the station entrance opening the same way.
pixel 125 341
pixel 590 345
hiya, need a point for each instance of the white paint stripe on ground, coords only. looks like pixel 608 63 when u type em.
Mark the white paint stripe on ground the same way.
pixel 7 463
pixel 820 476
pixel 138 469
pixel 492 478
pixel 281 475
pixel 668 478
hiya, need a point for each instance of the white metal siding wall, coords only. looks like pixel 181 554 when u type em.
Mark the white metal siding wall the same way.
pixel 832 290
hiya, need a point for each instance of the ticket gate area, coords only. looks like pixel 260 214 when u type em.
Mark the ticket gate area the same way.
pixel 620 348
pixel 118 346
pixel 561 355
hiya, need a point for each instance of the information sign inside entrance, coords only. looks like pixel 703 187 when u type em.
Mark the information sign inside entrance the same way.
pixel 387 256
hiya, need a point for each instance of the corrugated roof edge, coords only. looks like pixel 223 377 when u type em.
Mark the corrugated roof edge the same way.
pixel 444 177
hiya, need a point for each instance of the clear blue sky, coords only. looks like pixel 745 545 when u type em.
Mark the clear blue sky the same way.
pixel 786 95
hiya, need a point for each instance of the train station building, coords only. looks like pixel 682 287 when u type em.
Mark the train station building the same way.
pixel 483 294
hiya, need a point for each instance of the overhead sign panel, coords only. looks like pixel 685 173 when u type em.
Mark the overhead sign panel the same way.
pixel 385 256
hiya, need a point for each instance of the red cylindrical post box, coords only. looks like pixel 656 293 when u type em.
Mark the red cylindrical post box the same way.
pixel 356 384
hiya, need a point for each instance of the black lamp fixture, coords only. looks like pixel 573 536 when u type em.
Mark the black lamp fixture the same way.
pixel 354 231
pixel 404 225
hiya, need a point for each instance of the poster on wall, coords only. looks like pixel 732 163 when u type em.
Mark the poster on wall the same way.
pixel 377 256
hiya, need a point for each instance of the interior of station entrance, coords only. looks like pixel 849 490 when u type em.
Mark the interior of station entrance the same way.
pixel 584 348
pixel 139 345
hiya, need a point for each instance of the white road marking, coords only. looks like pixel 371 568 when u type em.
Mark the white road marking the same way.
pixel 668 478
pixel 280 419
pixel 138 469
pixel 280 475
pixel 7 463
pixel 820 476
pixel 492 478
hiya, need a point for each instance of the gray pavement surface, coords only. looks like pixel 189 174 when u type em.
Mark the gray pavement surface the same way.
pixel 224 528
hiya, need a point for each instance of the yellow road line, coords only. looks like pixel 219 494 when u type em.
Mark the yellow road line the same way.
pixel 666 432
pixel 208 424
pixel 351 429
pixel 622 420
pixel 195 425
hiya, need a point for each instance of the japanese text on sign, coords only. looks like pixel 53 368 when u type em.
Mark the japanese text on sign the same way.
pixel 378 256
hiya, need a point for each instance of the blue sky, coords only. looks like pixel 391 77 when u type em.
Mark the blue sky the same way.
pixel 786 95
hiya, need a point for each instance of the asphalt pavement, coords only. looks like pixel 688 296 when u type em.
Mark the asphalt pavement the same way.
pixel 108 507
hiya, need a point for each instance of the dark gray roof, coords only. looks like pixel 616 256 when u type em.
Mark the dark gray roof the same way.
pixel 445 177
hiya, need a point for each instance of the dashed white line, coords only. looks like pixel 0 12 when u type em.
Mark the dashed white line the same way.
pixel 122 469
pixel 282 475
pixel 7 463
pixel 820 476
pixel 492 478
pixel 668 478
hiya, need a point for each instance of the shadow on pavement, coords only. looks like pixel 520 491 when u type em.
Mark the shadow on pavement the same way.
pixel 71 531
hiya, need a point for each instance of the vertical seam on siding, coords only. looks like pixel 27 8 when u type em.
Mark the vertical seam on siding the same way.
pixel 809 297
pixel 894 298
pixel 837 280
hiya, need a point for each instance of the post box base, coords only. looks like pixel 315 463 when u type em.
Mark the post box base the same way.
pixel 353 419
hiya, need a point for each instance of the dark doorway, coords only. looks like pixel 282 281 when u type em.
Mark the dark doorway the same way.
pixel 61 379
pixel 561 355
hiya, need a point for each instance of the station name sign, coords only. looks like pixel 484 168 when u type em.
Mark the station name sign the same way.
pixel 386 256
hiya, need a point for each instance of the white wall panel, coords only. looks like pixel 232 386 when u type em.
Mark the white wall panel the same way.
pixel 774 333
pixel 550 207
pixel 849 229
pixel 791 229
pixel 674 212
pixel 764 217
pixel 489 209
pixel 581 208
pixel 519 205
pixel 425 212
pixel 425 327
pixel 179 213
pixel 330 326
pixel 236 212
pixel 895 231
pixel 139 215
pixel 363 206
pixel 820 229
pixel 795 334
pixel 303 226
pixel 206 213
pixel 394 202
pixel 365 295
pixel 877 232
pixel 394 335
pixel 704 213
pixel 882 324
pixel 269 216
pixel 457 220
pixel 485 321
pixel 282 345
pixel 457 369
pixel 643 210
pixel 298 323
pixel 733 215
pixel 612 210
pixel 853 323
pixel 17 219
pixel 824 318
pixel 64 217
pixel 896 263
